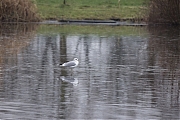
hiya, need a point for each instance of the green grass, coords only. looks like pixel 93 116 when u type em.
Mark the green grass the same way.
pixel 90 9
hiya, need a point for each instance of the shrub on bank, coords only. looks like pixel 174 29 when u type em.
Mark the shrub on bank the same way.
pixel 18 11
pixel 164 11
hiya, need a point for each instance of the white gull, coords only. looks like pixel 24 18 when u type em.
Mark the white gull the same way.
pixel 71 64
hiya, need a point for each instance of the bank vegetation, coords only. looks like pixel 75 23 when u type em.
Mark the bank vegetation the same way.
pixel 164 12
pixel 151 11
pixel 18 11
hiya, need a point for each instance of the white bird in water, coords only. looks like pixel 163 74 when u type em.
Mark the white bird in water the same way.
pixel 71 64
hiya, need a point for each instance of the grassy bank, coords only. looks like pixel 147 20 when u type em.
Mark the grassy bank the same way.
pixel 91 9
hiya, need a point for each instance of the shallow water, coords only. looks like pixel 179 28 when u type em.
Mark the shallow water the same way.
pixel 130 75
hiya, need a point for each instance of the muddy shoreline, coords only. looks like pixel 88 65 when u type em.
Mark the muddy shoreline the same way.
pixel 94 22
pixel 84 22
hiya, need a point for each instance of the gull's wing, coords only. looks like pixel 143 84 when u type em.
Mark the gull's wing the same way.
pixel 69 64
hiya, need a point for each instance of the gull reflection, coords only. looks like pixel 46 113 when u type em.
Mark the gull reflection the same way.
pixel 70 79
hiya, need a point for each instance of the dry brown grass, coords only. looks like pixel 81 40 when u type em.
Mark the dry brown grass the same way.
pixel 18 11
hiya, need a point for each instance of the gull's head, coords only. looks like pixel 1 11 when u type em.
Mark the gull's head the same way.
pixel 75 59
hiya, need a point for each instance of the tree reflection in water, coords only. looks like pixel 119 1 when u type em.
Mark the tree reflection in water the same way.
pixel 119 76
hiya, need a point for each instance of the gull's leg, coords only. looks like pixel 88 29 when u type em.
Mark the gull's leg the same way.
pixel 71 71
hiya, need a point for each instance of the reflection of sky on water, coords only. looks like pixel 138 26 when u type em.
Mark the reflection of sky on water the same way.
pixel 119 77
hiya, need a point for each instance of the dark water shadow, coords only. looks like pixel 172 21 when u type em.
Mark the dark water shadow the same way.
pixel 164 52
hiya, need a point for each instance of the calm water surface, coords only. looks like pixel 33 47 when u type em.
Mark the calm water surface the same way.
pixel 130 75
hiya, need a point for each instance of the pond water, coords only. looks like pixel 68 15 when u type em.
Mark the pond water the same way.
pixel 128 73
